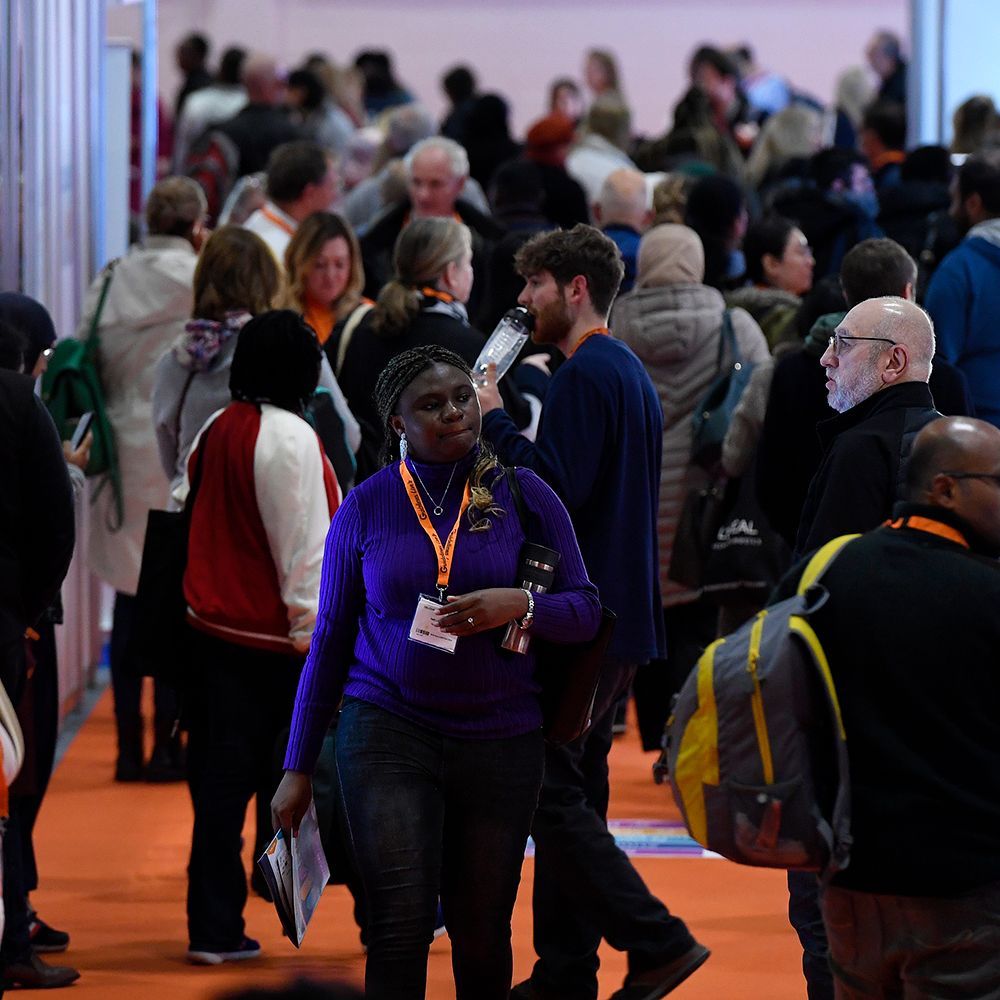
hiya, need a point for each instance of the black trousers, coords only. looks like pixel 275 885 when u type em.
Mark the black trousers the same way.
pixel 585 886
pixel 126 685
pixel 16 944
pixel 240 703
pixel 38 712
pixel 688 628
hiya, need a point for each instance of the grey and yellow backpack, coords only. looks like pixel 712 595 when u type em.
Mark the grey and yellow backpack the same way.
pixel 755 747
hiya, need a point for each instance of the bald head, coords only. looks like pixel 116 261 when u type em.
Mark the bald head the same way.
pixel 879 343
pixel 624 200
pixel 262 79
pixel 955 464
pixel 904 322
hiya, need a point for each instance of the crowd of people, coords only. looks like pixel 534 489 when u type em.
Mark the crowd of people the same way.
pixel 287 353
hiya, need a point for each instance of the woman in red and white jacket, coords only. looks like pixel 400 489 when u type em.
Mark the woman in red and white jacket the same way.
pixel 259 520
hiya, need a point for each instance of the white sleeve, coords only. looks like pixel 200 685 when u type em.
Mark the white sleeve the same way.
pixel 352 429
pixel 291 498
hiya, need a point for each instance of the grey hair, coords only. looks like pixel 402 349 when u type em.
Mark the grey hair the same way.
pixel 458 158
pixel 407 125
pixel 174 205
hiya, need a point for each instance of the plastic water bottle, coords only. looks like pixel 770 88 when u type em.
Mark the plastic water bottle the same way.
pixel 505 343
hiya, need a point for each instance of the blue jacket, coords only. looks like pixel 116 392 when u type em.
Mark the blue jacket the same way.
pixel 964 301
pixel 627 240
pixel 599 446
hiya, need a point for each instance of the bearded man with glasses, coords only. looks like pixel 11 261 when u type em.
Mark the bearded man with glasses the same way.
pixel 877 365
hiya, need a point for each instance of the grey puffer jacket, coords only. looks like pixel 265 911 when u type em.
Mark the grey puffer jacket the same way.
pixel 675 330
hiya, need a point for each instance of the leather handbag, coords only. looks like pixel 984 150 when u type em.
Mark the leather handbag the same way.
pixel 568 673
pixel 159 641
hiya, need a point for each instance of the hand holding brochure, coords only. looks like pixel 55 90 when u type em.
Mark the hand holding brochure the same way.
pixel 296 875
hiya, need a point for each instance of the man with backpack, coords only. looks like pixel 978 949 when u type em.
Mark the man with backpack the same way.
pixel 877 365
pixel 910 631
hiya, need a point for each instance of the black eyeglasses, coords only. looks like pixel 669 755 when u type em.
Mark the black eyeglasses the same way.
pixel 993 477
pixel 838 340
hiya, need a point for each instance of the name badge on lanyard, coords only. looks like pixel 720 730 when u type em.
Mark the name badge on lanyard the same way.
pixel 425 628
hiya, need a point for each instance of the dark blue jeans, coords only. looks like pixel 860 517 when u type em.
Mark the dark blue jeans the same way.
pixel 585 886
pixel 430 816
pixel 805 915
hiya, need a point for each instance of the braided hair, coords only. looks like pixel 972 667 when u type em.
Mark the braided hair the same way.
pixel 392 383
pixel 277 360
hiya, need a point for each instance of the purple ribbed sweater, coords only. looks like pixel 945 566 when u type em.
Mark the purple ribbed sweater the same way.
pixel 378 561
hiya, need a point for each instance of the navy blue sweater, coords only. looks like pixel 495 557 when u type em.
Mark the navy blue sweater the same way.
pixel 598 446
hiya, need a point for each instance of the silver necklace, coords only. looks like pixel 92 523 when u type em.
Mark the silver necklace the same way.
pixel 438 508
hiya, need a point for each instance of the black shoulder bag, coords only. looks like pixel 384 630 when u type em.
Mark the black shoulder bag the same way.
pixel 568 673
pixel 159 643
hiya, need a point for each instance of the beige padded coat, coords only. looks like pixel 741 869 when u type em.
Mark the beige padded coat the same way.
pixel 675 329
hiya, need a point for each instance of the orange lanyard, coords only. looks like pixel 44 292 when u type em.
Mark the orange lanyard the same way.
pixel 931 527
pixel 445 553
pixel 436 293
pixel 590 333
pixel 277 220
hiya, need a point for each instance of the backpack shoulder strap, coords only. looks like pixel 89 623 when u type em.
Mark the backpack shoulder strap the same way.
pixel 353 322
pixel 510 474
pixel 727 340
pixel 817 566
pixel 92 340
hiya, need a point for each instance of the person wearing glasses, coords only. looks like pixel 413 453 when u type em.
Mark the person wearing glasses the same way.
pixel 797 400
pixel 915 912
pixel 877 363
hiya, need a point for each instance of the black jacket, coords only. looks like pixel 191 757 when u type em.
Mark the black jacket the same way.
pixel 36 508
pixel 790 452
pixel 863 467
pixel 831 222
pixel 256 131
pixel 911 632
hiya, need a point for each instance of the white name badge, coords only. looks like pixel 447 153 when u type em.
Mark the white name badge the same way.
pixel 425 628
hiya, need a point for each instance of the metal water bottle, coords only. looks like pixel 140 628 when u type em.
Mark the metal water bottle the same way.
pixel 538 570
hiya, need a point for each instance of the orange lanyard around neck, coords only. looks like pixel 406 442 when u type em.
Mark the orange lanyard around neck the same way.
pixel 597 331
pixel 436 293
pixel 445 553
pixel 277 220
pixel 931 526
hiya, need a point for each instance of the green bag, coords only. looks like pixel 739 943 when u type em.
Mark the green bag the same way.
pixel 71 386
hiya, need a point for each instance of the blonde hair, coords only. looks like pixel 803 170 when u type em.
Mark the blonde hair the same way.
pixel 670 199
pixel 423 251
pixel 313 233
pixel 236 272
pixel 795 131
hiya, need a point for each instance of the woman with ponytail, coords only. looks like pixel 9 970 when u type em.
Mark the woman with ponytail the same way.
pixel 424 303
pixel 439 741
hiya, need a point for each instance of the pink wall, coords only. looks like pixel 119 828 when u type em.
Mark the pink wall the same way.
pixel 518 46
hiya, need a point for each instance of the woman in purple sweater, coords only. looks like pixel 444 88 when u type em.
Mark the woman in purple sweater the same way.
pixel 439 742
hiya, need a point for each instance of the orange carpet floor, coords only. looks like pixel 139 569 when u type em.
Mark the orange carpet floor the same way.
pixel 112 860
